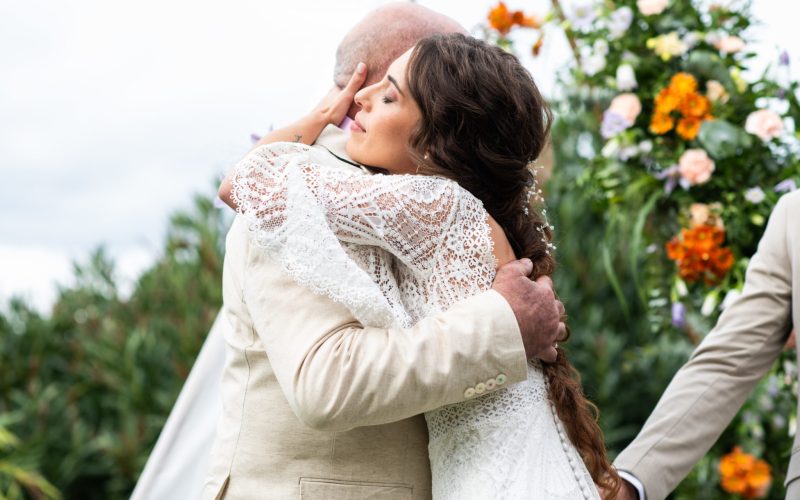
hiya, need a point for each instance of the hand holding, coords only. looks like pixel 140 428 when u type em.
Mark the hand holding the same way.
pixel 535 305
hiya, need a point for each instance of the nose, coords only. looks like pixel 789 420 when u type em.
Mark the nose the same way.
pixel 362 99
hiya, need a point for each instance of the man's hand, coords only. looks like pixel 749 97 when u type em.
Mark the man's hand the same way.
pixel 535 305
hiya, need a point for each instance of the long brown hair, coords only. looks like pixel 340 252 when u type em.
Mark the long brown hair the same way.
pixel 483 122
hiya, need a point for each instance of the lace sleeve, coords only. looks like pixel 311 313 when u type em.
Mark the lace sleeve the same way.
pixel 409 216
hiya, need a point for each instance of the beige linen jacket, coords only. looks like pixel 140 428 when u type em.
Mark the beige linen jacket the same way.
pixel 316 406
pixel 709 390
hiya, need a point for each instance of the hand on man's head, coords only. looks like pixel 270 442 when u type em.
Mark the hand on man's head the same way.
pixel 534 303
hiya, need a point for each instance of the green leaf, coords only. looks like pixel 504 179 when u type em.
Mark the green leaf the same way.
pixel 722 139
pixel 710 66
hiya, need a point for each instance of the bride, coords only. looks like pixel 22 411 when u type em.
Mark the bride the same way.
pixel 456 123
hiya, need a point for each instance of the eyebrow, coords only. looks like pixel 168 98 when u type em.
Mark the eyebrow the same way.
pixel 391 79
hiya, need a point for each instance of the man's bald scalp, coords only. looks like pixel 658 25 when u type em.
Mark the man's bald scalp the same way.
pixel 383 35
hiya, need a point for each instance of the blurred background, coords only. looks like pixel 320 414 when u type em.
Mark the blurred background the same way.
pixel 118 120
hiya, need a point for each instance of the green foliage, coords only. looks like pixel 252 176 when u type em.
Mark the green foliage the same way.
pixel 85 391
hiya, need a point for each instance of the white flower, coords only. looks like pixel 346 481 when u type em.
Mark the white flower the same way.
pixel 593 64
pixel 645 147
pixel 628 152
pixel 619 21
pixel 583 15
pixel 611 149
pixel 732 295
pixel 754 195
pixel 600 47
pixel 709 304
pixel 626 78
pixel 692 38
pixel 651 7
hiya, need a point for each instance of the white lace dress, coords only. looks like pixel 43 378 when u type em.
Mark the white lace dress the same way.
pixel 395 249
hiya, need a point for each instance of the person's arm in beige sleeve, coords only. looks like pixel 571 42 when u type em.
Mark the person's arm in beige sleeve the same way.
pixel 337 374
pixel 709 390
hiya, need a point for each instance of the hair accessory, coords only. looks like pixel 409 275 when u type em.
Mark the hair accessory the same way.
pixel 534 195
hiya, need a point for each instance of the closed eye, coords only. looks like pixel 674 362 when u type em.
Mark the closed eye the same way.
pixel 387 100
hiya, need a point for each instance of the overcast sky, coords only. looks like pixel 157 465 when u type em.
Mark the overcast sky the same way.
pixel 115 113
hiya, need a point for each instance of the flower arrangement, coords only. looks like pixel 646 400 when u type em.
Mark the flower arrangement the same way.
pixel 684 150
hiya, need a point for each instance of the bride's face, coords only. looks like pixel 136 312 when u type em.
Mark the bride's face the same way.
pixel 382 127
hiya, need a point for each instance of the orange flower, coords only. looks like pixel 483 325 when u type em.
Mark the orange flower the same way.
pixel 661 123
pixel 699 254
pixel 501 19
pixel 744 475
pixel 537 47
pixel 695 105
pixel 681 96
pixel 666 101
pixel 688 128
pixel 521 19
pixel 683 84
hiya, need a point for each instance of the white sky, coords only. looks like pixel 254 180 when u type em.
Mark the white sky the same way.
pixel 113 113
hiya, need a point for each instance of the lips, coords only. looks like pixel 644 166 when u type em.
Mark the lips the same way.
pixel 355 125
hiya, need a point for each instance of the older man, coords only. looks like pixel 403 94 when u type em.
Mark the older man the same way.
pixel 278 436
pixel 708 391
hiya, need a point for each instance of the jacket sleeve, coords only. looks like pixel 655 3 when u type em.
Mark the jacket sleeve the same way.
pixel 709 390
pixel 337 374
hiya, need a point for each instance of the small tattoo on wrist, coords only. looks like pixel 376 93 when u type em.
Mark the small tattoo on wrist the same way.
pixel 297 137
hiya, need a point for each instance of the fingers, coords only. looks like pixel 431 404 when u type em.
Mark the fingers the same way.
pixel 545 281
pixel 357 80
pixel 522 267
pixel 561 332
pixel 549 355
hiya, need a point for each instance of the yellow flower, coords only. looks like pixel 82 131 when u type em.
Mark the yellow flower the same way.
pixel 736 76
pixel 667 46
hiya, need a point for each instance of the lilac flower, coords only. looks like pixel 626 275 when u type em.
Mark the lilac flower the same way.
pixel 672 177
pixel 784 58
pixel 678 314
pixel 254 138
pixel 613 124
pixel 786 186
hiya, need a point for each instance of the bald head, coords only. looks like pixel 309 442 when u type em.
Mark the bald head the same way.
pixel 383 35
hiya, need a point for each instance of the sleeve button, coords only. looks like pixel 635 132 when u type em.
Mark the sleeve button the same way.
pixel 469 393
pixel 491 384
pixel 500 379
pixel 480 388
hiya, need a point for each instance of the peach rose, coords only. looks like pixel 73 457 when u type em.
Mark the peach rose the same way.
pixel 730 44
pixel 764 123
pixel 626 105
pixel 695 166
pixel 651 7
pixel 716 92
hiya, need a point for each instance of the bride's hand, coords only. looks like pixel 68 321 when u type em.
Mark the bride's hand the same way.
pixel 334 106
